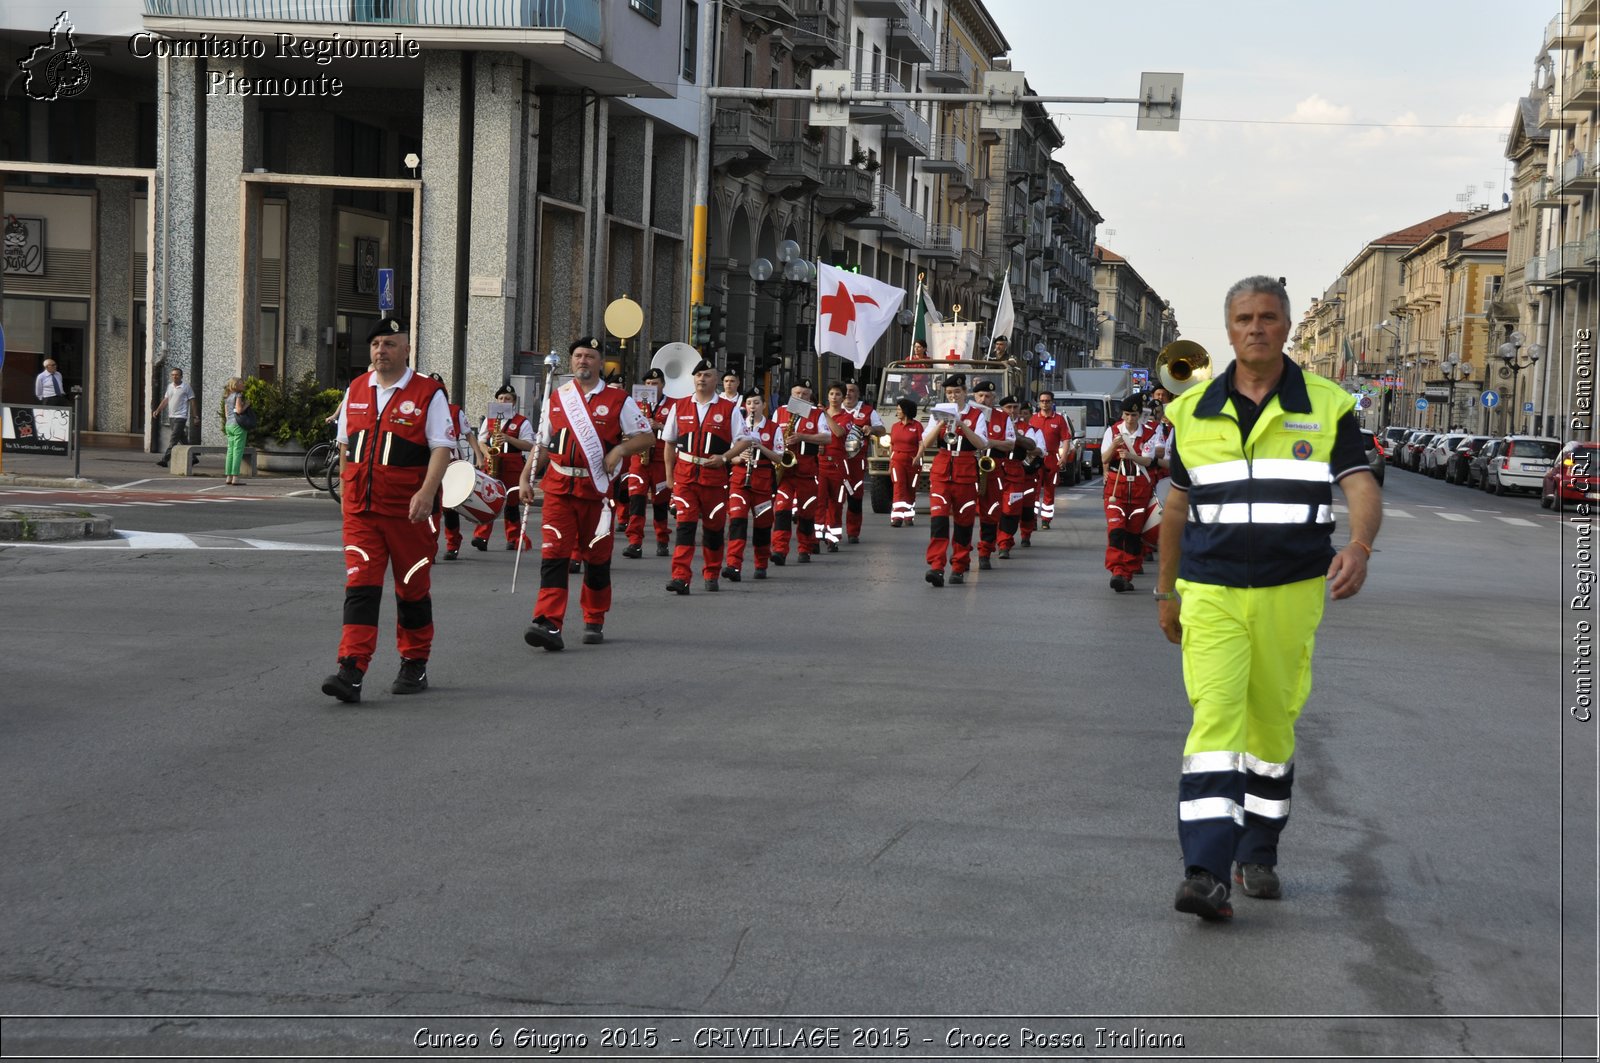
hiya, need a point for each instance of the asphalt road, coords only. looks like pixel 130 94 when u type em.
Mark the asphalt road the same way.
pixel 836 794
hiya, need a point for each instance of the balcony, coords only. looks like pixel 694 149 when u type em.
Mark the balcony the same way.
pixel 881 8
pixel 1547 193
pixel 903 126
pixel 891 217
pixel 978 191
pixel 1014 230
pixel 741 138
pixel 912 136
pixel 1428 293
pixel 1551 115
pixel 1580 90
pixel 950 69
pixel 1578 176
pixel 846 192
pixel 972 261
pixel 1533 272
pixel 777 10
pixel 818 37
pixel 942 242
pixel 1034 245
pixel 948 155
pixel 911 38
pixel 1559 33
pixel 796 168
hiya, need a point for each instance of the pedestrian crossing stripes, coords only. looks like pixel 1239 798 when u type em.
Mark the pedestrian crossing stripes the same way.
pixel 138 540
pixel 1390 513
pixel 128 501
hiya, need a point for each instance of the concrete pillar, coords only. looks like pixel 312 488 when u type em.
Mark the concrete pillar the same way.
pixel 497 190
pixel 116 393
pixel 311 253
pixel 445 109
pixel 178 314
pixel 233 227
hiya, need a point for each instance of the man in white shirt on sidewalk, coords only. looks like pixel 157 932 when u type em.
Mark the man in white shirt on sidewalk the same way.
pixel 180 406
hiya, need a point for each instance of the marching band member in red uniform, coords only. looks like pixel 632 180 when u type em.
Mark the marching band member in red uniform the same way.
pixel 647 480
pixel 1128 489
pixel 905 436
pixel 395 441
pixel 997 430
pixel 863 417
pixel 953 491
pixel 1057 432
pixel 750 495
pixel 704 432
pixel 467 449
pixel 587 434
pixel 797 503
pixel 830 471
pixel 511 439
pixel 1019 480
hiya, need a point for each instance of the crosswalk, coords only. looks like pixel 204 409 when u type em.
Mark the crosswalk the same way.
pixel 1484 516
pixel 46 498
pixel 141 540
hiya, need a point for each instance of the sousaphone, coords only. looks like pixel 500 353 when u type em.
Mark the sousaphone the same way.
pixel 1182 364
pixel 676 362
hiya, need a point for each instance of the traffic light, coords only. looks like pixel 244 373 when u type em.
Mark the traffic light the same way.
pixel 699 325
pixel 771 350
pixel 719 329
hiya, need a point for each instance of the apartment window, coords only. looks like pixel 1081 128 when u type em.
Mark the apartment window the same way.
pixel 861 50
pixel 648 8
pixel 691 40
pixel 749 81
pixel 1491 288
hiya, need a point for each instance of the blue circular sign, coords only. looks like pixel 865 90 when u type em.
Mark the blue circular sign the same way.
pixel 1422 404
pixel 1490 399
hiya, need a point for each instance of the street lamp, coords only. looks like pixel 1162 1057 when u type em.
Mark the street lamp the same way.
pixel 1454 369
pixel 1511 354
pixel 1394 361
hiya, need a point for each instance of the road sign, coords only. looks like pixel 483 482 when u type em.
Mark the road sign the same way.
pixel 1490 399
pixel 1364 402
pixel 1422 404
pixel 1527 407
pixel 385 290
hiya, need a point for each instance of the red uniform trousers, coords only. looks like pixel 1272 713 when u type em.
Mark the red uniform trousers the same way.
pixel 510 475
pixel 452 530
pixel 695 503
pixel 372 543
pixel 796 504
pixel 751 514
pixel 903 471
pixel 950 502
pixel 647 487
pixel 571 530
pixel 830 497
pixel 989 504
pixel 1047 488
pixel 855 492
pixel 1127 500
pixel 1016 507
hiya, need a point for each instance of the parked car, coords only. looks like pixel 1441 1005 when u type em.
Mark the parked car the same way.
pixel 1374 447
pixel 1455 468
pixel 1575 477
pixel 1416 442
pixel 1478 468
pixel 1520 465
pixel 1433 458
pixel 1392 437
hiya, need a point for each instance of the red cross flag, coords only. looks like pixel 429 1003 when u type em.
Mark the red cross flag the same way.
pixel 852 312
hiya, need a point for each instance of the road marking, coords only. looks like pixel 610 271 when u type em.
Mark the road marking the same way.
pixel 156 540
pixel 136 540
pixel 1459 517
pixel 1519 521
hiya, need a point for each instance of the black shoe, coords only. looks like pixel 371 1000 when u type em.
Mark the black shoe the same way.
pixel 1027 542
pixel 985 563
pixel 345 684
pixel 593 635
pixel 761 573
pixel 452 555
pixel 633 550
pixel 854 539
pixel 833 548
pixel 662 549
pixel 678 586
pixel 413 677
pixel 1121 585
pixel 1005 555
pixel 1201 894
pixel 1044 524
pixel 935 577
pixel 543 634
pixel 575 565
pixel 805 557
pixel 894 524
pixel 711 585
pixel 958 577
pixel 480 544
pixel 730 574
pixel 162 463
pixel 779 560
pixel 1258 880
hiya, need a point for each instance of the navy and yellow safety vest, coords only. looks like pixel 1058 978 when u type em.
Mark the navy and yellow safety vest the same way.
pixel 1260 510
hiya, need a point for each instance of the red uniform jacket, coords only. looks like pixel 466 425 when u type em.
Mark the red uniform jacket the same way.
pixel 511 459
pixel 760 478
pixel 697 440
pixel 1054 428
pixel 904 439
pixel 805 453
pixel 605 410
pixel 387 455
pixel 957 459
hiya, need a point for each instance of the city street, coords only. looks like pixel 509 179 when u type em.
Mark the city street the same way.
pixel 839 798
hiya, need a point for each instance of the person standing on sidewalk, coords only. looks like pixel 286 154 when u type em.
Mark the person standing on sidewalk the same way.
pixel 48 387
pixel 180 406
pixel 234 404
pixel 395 441
pixel 1246 560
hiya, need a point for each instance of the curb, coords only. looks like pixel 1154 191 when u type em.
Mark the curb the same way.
pixel 9 479
pixel 41 525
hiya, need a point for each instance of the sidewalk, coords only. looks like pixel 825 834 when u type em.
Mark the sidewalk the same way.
pixel 102 467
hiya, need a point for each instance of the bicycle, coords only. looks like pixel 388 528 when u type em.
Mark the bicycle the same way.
pixel 322 467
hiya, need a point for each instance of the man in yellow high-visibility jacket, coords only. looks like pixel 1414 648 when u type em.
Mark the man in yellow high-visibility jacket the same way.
pixel 1246 548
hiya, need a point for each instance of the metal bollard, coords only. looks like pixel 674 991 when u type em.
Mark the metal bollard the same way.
pixel 77 449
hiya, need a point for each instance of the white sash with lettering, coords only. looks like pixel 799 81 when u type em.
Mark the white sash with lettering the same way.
pixel 577 412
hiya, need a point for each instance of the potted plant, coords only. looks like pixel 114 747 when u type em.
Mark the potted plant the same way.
pixel 290 419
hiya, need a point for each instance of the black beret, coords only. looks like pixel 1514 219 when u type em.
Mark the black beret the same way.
pixel 505 389
pixel 750 393
pixel 955 380
pixel 805 382
pixel 1011 400
pixel 592 342
pixel 655 374
pixel 387 326
pixel 1131 404
pixel 983 385
pixel 702 365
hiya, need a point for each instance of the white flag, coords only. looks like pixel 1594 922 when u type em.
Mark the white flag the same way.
pixel 950 340
pixel 852 312
pixel 1005 316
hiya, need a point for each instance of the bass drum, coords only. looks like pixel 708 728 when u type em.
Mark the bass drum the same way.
pixel 472 492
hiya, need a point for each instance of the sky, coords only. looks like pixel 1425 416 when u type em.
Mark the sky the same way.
pixel 1307 129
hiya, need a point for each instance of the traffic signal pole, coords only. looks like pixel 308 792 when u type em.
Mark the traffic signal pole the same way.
pixel 709 14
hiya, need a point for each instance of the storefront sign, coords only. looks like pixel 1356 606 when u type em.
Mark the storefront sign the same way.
pixel 36 429
pixel 24 246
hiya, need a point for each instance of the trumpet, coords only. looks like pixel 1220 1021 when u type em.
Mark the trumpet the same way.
pixel 1181 365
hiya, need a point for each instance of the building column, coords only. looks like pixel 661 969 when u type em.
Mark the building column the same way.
pixel 310 254
pixel 497 189
pixel 116 390
pixel 178 313
pixel 445 222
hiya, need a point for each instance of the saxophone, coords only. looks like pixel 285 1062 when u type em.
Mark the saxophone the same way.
pixel 491 463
